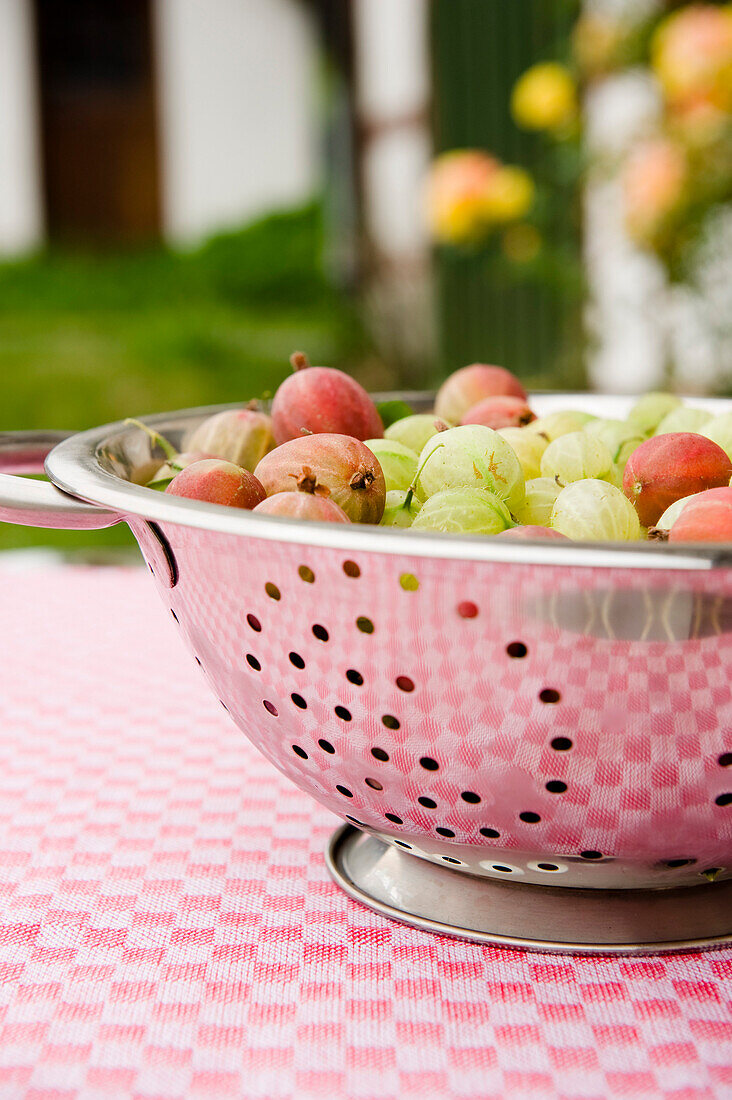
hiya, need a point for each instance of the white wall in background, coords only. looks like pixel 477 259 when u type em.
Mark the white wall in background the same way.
pixel 237 109
pixel 627 285
pixel 393 90
pixel 21 218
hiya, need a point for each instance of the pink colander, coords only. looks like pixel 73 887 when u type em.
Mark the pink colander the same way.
pixel 531 742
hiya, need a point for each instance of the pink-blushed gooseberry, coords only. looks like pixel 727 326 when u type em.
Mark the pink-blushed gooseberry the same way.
pixel 329 465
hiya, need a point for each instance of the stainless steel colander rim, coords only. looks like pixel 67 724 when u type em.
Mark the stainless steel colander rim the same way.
pixel 75 466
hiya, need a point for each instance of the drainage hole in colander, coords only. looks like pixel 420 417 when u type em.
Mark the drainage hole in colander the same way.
pixel 450 859
pixel 404 683
pixel 351 569
pixel 516 650
pixel 390 721
pixel 251 661
pixel 724 799
pixel 373 784
pixel 364 625
pixel 254 623
pixel 306 574
pixel 326 745
pixel 590 853
pixel 428 763
pixel 556 786
pixel 174 616
pixel 502 868
pixel 428 803
pixel 530 817
pixel 467 610
pixel 343 714
pixel 354 677
pixel 403 844
pixel 549 695
pixel 320 632
pixel 394 818
pixel 299 752
pixel 270 707
pixel 492 834
pixel 471 797
pixel 677 862
pixel 561 744
pixel 357 822
pixel 296 660
pixel 379 754
pixel 725 760
pixel 444 832
pixel 272 591
pixel 223 704
pixel 198 661
pixel 409 582
pixel 344 791
pixel 548 868
pixel 299 701
pixel 712 872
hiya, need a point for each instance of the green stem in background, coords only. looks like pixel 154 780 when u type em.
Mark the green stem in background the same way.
pixel 159 440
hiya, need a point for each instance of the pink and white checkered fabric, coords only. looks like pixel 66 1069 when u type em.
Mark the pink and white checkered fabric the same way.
pixel 168 930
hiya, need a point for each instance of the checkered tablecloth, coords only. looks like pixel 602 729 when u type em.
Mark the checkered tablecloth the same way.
pixel 168 930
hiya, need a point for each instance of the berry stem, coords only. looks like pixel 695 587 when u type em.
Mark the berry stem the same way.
pixel 299 361
pixel 159 440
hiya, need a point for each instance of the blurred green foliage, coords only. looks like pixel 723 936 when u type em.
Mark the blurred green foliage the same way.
pixel 525 316
pixel 86 339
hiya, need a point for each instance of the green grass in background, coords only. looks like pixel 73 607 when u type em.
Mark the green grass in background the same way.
pixel 89 339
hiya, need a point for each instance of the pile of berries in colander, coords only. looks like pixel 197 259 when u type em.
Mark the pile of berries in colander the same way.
pixel 480 464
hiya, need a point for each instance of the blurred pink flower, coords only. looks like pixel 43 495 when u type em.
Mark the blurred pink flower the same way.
pixel 691 54
pixel 654 182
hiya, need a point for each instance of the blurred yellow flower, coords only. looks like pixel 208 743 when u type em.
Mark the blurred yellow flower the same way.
pixel 455 196
pixel 691 55
pixel 596 42
pixel 654 185
pixel 545 97
pixel 509 195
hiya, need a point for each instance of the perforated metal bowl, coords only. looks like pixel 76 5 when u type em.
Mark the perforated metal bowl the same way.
pixel 547 727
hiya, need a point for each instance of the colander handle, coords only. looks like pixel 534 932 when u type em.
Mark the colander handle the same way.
pixel 39 503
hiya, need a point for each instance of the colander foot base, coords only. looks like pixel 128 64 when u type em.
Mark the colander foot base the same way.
pixel 537 918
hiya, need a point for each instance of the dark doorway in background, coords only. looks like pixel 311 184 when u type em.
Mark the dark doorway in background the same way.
pixel 98 120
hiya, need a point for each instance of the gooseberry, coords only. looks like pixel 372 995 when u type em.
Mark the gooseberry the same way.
pixel 528 448
pixel 595 511
pixel 414 431
pixel 575 456
pixel 536 507
pixel 463 511
pixel 706 518
pixel 218 482
pixel 667 467
pixel 328 465
pixel 323 400
pixel 302 506
pixel 649 410
pixel 471 456
pixel 398 463
pixel 500 412
pixel 469 385
pixel 241 436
